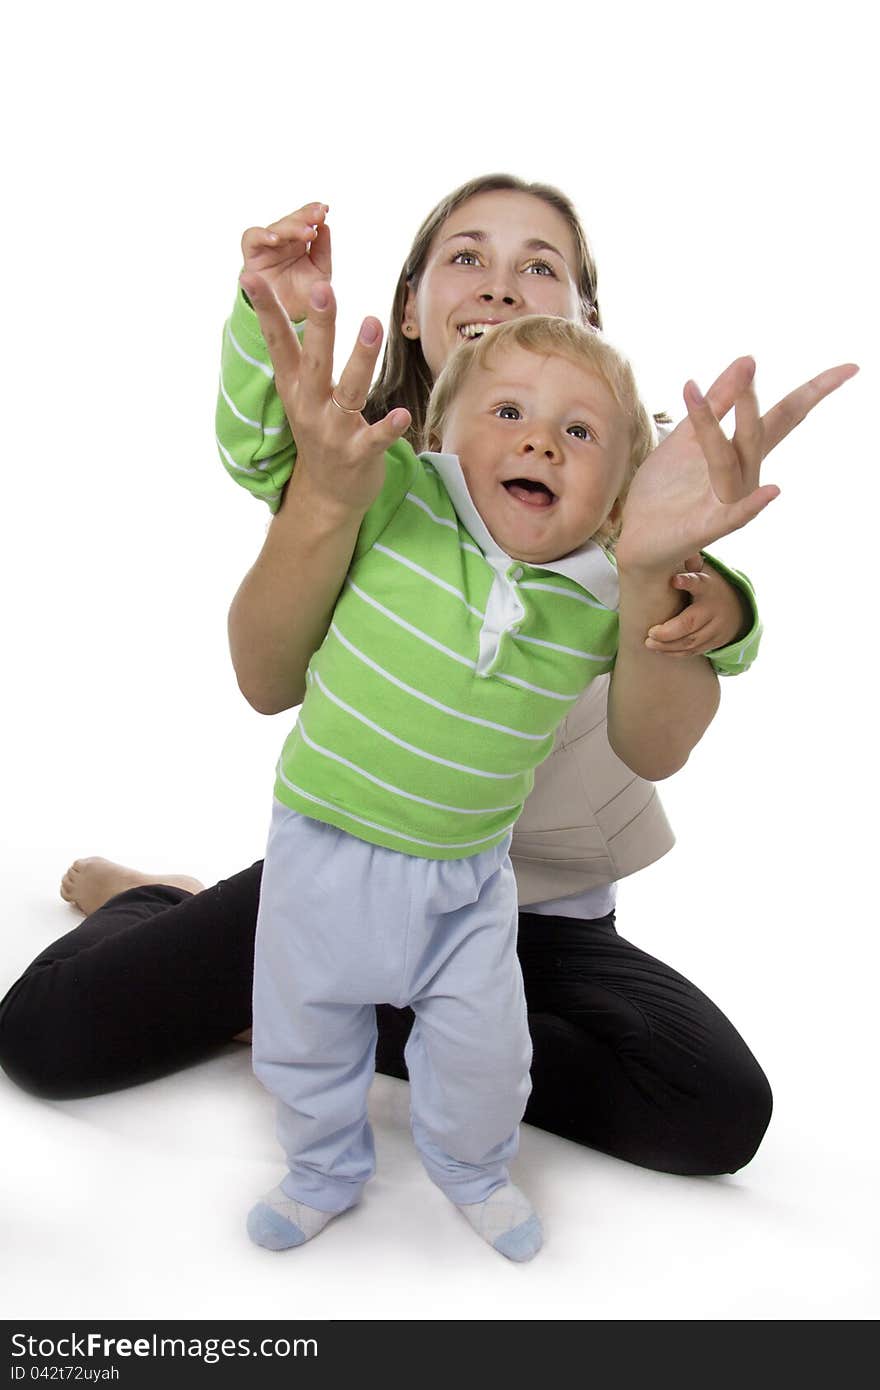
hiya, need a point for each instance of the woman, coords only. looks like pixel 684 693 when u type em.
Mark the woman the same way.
pixel 629 1057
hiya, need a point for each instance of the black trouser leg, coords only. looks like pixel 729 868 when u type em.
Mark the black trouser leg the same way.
pixel 152 981
pixel 629 1056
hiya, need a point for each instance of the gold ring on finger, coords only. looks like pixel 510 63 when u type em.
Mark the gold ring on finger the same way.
pixel 346 409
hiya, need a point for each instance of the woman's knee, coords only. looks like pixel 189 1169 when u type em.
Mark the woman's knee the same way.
pixel 736 1121
pixel 716 1125
pixel 29 1052
pixel 695 1116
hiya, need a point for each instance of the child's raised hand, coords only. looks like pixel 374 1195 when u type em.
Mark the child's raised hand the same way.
pixel 698 485
pixel 339 456
pixel 292 255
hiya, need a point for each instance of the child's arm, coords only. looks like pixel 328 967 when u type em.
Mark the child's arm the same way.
pixel 283 606
pixel 696 487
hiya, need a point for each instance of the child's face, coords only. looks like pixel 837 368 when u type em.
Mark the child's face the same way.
pixel 544 449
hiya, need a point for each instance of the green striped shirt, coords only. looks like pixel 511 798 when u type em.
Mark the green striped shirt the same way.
pixel 447 666
pixel 444 674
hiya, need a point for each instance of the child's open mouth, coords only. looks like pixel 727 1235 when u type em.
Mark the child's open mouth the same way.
pixel 532 493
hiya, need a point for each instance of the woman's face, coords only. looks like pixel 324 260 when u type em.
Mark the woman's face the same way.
pixel 499 256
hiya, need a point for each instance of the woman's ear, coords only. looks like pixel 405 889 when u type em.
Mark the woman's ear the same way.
pixel 410 325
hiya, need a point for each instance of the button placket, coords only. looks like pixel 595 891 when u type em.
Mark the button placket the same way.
pixel 504 613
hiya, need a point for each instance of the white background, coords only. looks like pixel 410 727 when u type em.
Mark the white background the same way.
pixel 724 169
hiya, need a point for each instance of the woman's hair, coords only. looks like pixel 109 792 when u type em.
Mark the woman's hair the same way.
pixel 405 379
pixel 550 337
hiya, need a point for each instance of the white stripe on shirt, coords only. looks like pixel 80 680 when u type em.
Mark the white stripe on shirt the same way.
pixel 389 786
pixel 245 420
pixel 569 651
pixel 386 830
pixel 401 743
pixel 254 361
pixel 566 593
pixel 408 627
pixel 429 700
pixel 240 468
pixel 432 578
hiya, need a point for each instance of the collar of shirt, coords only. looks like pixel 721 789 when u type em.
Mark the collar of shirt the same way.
pixel 588 566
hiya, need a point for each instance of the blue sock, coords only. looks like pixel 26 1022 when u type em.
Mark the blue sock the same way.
pixel 278 1222
pixel 507 1221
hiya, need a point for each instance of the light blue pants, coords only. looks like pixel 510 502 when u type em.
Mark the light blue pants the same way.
pixel 345 925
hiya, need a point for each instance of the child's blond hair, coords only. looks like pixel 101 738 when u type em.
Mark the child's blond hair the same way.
pixel 548 337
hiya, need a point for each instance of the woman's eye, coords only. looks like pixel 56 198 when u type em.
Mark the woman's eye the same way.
pixel 539 268
pixel 580 431
pixel 508 412
pixel 465 258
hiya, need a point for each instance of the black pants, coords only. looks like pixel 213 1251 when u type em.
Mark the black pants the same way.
pixel 629 1057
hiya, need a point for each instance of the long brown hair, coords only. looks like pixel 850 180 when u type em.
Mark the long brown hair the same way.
pixel 405 379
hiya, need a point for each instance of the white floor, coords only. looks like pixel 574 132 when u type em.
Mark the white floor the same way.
pixel 132 1204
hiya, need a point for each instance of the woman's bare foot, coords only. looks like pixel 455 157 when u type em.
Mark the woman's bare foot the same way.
pixel 90 883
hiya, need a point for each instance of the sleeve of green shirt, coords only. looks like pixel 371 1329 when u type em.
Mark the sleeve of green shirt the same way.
pixel 253 436
pixel 738 656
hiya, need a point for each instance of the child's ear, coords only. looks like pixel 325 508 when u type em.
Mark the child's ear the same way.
pixel 410 324
pixel 610 528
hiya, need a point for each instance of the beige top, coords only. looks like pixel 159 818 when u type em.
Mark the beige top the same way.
pixel 589 819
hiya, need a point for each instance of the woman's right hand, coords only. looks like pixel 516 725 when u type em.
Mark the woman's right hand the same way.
pixel 292 255
pixel 340 458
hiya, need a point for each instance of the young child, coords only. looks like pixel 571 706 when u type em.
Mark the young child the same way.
pixel 479 602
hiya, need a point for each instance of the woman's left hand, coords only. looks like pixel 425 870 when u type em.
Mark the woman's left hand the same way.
pixel 716 615
pixel 698 485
